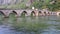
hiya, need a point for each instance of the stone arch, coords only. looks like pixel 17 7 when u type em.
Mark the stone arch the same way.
pixel 39 13
pixel 32 13
pixel 13 14
pixel 2 13
pixel 58 13
pixel 48 13
pixel 45 13
pixel 24 13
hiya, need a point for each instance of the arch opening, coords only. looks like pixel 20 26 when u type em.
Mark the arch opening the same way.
pixel 39 13
pixel 59 13
pixel 48 13
pixel 1 13
pixel 45 13
pixel 13 14
pixel 32 13
pixel 23 14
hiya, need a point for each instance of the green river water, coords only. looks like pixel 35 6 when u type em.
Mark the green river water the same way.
pixel 30 25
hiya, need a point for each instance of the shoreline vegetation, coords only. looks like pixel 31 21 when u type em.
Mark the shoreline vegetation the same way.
pixel 52 5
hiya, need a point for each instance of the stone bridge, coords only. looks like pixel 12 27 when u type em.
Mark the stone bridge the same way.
pixel 28 12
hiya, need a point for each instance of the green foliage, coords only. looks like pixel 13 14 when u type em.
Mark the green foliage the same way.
pixel 40 4
pixel 37 4
pixel 55 6
pixel 46 4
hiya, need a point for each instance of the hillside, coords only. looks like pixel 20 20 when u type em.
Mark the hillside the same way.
pixel 14 3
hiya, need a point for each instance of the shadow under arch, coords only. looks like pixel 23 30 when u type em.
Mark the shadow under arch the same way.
pixel 49 13
pixel 23 14
pixel 32 13
pixel 59 13
pixel 39 13
pixel 1 13
pixel 13 13
pixel 45 13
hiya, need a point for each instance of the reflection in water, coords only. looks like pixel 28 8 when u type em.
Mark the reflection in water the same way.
pixel 30 25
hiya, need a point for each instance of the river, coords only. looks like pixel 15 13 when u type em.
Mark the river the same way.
pixel 30 25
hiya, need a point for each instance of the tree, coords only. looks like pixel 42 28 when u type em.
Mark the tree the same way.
pixel 55 6
pixel 51 4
